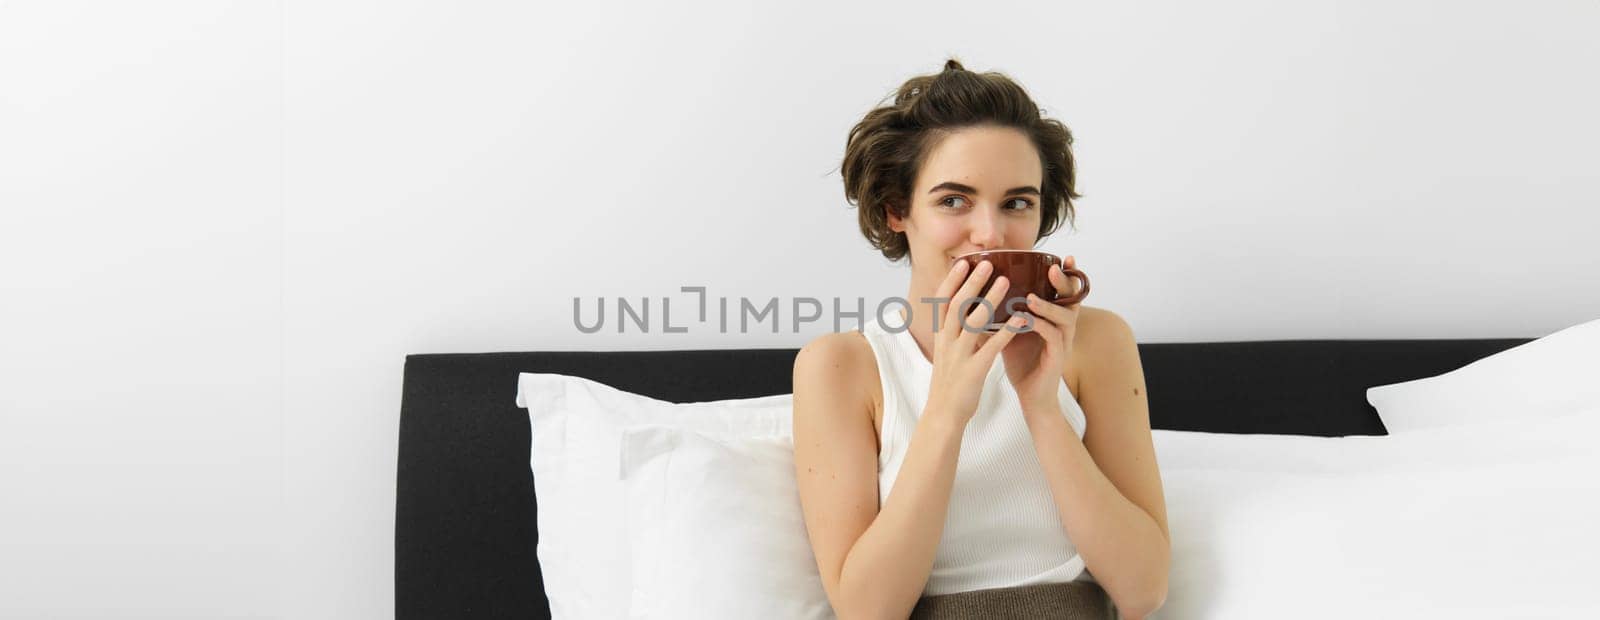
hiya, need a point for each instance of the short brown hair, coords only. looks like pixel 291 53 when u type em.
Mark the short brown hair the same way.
pixel 887 148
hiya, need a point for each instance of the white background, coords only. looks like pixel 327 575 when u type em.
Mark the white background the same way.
pixel 225 224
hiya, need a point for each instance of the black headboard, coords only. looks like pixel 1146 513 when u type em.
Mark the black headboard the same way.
pixel 465 513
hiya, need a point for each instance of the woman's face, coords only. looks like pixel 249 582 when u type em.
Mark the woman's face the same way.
pixel 978 190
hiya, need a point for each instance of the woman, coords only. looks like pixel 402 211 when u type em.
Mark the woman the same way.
pixel 948 471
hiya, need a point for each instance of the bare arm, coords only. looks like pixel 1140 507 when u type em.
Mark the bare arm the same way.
pixel 856 541
pixel 874 562
pixel 1108 487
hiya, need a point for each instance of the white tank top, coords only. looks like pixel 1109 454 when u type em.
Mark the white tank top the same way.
pixel 1002 528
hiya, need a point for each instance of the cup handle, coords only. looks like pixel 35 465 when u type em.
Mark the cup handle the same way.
pixel 1083 290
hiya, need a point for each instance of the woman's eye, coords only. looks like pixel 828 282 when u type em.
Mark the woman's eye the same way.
pixel 1019 204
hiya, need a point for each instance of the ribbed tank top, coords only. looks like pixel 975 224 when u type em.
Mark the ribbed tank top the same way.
pixel 1002 528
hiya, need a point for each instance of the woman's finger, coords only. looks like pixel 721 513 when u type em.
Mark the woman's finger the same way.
pixel 997 342
pixel 985 314
pixel 1065 286
pixel 947 288
pixel 997 295
pixel 974 283
pixel 1050 332
pixel 1051 311
pixel 1046 328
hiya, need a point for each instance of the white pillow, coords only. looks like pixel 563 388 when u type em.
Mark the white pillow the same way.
pixel 1429 450
pixel 715 528
pixel 1550 376
pixel 577 429
pixel 1479 521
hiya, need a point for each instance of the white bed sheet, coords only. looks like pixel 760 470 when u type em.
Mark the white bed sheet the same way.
pixel 1474 522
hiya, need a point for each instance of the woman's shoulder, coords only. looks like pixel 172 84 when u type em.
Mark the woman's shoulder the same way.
pixel 1099 328
pixel 1098 331
pixel 836 353
pixel 836 360
pixel 840 368
pixel 1092 317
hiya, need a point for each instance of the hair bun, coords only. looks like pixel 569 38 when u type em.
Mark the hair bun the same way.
pixel 953 65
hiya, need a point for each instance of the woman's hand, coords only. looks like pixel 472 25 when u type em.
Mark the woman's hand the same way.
pixel 962 357
pixel 1036 360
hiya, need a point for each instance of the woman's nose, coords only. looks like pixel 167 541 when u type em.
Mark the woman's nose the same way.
pixel 987 229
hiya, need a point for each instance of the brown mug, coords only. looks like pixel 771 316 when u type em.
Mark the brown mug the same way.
pixel 1029 272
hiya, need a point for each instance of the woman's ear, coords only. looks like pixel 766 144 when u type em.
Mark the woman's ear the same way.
pixel 895 223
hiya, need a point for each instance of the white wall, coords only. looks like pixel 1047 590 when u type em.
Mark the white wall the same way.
pixel 142 262
pixel 224 225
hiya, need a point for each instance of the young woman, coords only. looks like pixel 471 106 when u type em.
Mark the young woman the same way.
pixel 946 471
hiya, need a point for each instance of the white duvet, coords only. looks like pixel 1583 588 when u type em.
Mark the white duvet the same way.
pixel 1478 521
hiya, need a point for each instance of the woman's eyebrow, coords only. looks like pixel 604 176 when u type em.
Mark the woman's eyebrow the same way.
pixel 966 189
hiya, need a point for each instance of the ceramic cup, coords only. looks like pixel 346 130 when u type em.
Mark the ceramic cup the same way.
pixel 1029 272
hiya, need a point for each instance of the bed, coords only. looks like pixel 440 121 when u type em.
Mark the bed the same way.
pixel 465 514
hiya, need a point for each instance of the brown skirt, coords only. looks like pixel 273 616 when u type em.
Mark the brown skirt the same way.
pixel 1073 600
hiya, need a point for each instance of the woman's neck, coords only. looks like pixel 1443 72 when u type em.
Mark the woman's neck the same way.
pixel 923 316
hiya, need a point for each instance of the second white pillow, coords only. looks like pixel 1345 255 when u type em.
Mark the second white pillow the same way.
pixel 1552 376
